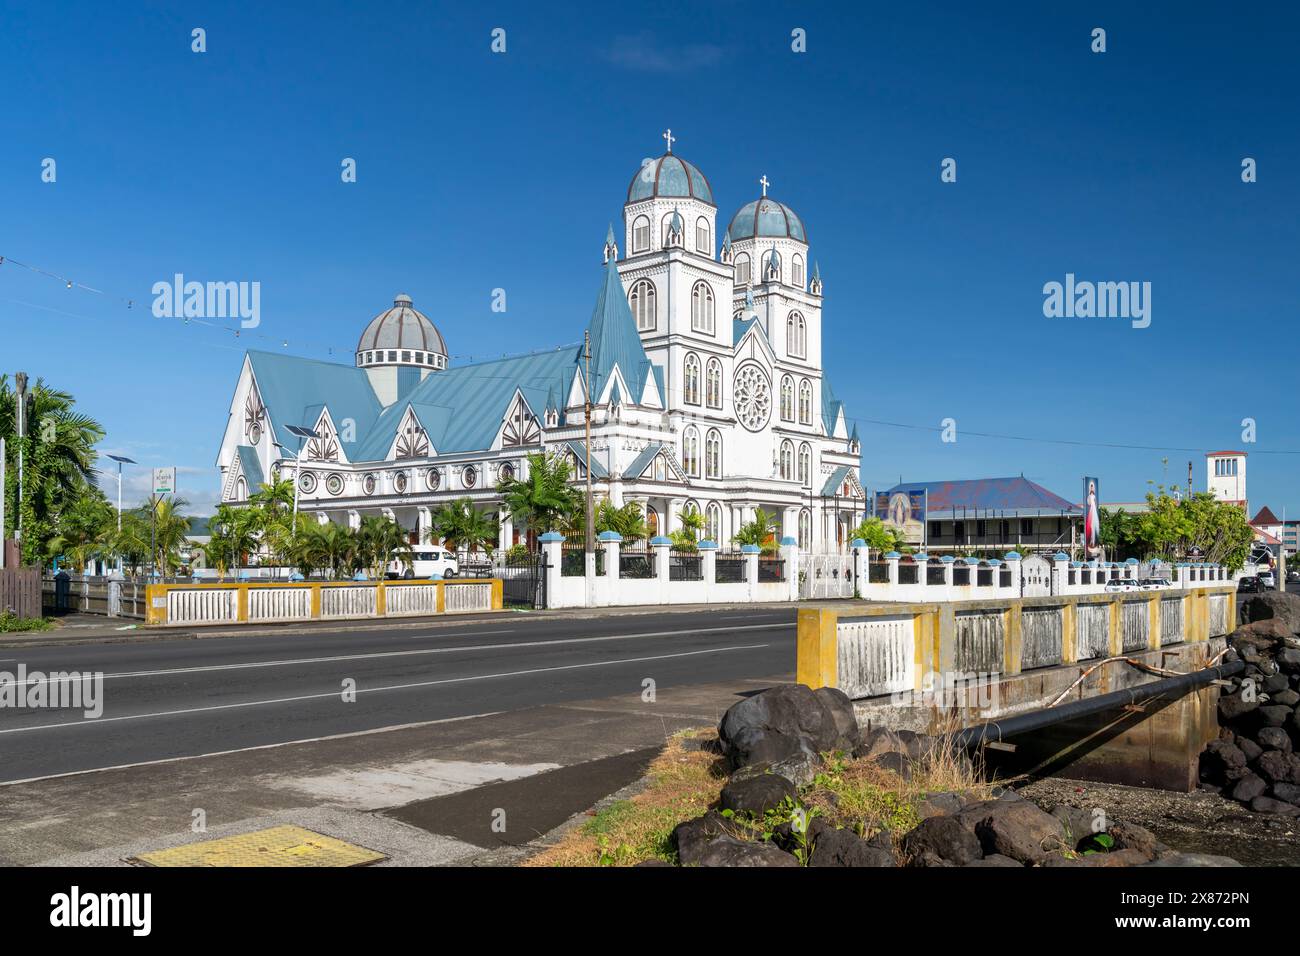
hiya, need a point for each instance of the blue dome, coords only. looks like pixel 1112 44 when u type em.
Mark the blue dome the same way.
pixel 766 218
pixel 669 176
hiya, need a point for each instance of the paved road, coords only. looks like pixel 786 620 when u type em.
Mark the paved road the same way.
pixel 174 698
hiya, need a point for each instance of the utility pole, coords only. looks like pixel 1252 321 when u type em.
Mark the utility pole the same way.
pixel 2 504
pixel 590 547
pixel 20 379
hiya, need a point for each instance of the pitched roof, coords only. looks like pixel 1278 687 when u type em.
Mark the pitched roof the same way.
pixel 1265 516
pixel 291 386
pixel 614 339
pixel 831 488
pixel 830 406
pixel 1001 494
pixel 579 449
pixel 642 461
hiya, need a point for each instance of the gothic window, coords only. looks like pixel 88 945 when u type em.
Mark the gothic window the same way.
pixel 253 415
pixel 691 384
pixel 241 489
pixel 702 243
pixel 642 301
pixel 787 460
pixel 796 268
pixel 713 384
pixel 691 451
pixel 805 402
pixel 787 399
pixel 641 234
pixel 713 521
pixel 412 442
pixel 742 269
pixel 805 464
pixel 521 427
pixel 713 454
pixel 796 336
pixel 702 308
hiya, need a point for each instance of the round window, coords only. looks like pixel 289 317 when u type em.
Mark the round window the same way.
pixel 432 479
pixel 334 484
pixel 469 477
pixel 507 472
pixel 400 482
pixel 753 397
pixel 368 484
pixel 307 482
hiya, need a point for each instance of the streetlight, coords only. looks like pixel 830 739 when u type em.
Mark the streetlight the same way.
pixel 301 433
pixel 121 460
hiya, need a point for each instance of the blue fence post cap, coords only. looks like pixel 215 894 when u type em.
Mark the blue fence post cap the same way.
pixel 857 543
pixel 921 558
pixel 1011 556
pixel 788 541
pixel 948 559
pixel 707 545
pixel 892 554
pixel 1060 556
pixel 659 540
pixel 994 562
pixel 551 536
pixel 750 549
pixel 1131 561
pixel 610 536
pixel 1076 564
pixel 971 561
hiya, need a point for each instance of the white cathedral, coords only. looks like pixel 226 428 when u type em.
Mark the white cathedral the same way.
pixel 690 411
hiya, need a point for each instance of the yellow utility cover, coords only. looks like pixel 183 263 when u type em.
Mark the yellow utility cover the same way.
pixel 277 846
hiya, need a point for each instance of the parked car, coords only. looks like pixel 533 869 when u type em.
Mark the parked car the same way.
pixel 1155 584
pixel 1266 579
pixel 1250 584
pixel 426 564
pixel 1122 584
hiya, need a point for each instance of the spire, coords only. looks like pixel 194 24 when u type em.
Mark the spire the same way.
pixel 815 287
pixel 726 246
pixel 611 247
pixel 773 270
pixel 614 340
pixel 676 230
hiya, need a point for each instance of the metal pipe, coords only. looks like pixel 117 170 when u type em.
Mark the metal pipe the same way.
pixel 997 730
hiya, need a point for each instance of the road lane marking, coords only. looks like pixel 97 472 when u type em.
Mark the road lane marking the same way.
pixel 165 672
pixel 376 690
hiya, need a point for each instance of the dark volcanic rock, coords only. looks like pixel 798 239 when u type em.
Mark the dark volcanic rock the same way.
pixel 941 840
pixel 996 859
pixel 1269 805
pixel 1281 605
pixel 729 851
pixel 842 848
pixel 841 710
pixel 897 763
pixel 1017 829
pixel 1223 760
pixel 1249 787
pixel 1274 738
pixel 778 723
pixel 1274 715
pixel 1235 705
pixel 756 793
pixel 690 837
pixel 1076 825
pixel 1247 746
pixel 1287 792
pixel 1278 767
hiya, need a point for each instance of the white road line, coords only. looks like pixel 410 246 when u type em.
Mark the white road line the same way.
pixel 165 672
pixel 375 690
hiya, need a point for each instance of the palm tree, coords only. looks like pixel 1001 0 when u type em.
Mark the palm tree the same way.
pixel 464 528
pixel 329 546
pixel 628 520
pixel 170 528
pixel 688 534
pixel 233 534
pixel 760 532
pixel 382 540
pixel 544 499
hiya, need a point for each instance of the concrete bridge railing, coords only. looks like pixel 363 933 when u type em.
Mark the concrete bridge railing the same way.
pixel 870 651
pixel 268 603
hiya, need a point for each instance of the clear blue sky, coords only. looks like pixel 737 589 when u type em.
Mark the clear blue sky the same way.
pixel 478 171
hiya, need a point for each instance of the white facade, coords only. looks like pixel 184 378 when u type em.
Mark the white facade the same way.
pixel 1225 475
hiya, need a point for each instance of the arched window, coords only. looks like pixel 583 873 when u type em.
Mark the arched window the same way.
pixel 713 384
pixel 805 464
pixel 703 243
pixel 796 271
pixel 805 402
pixel 241 489
pixel 796 336
pixel 641 234
pixel 742 269
pixel 787 399
pixel 713 521
pixel 805 529
pixel 691 386
pixel 787 460
pixel 651 521
pixel 713 454
pixel 702 308
pixel 691 451
pixel 642 302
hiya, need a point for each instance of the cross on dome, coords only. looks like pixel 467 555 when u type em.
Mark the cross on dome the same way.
pixel 764 183
pixel 670 138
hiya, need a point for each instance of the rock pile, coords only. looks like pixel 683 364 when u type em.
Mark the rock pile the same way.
pixel 774 744
pixel 1254 761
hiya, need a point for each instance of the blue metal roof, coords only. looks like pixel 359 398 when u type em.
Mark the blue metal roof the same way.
pixel 251 466
pixel 292 387
pixel 615 340
pixel 579 449
pixel 836 479
pixel 830 406
pixel 642 461
pixel 766 218
pixel 1007 495
pixel 669 175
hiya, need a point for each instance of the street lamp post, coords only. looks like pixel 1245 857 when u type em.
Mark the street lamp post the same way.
pixel 302 435
pixel 121 460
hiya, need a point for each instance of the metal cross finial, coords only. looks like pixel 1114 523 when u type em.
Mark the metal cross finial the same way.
pixel 668 135
pixel 764 183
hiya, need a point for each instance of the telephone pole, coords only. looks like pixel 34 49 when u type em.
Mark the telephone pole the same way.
pixel 586 392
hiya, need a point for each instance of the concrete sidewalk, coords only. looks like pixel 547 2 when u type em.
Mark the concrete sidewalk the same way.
pixel 92 629
pixel 340 786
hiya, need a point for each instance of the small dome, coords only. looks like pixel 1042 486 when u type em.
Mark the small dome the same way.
pixel 768 219
pixel 672 177
pixel 402 327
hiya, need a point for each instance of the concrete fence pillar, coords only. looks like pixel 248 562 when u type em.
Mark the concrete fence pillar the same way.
pixel 662 546
pixel 1012 559
pixel 611 541
pixel 861 555
pixel 1060 573
pixel 708 561
pixel 551 542
pixel 751 552
pixel 891 567
pixel 790 555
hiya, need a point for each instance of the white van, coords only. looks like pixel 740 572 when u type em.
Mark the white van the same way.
pixel 426 564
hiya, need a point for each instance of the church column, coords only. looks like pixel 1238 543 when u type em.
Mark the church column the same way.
pixel 505 530
pixel 671 521
pixel 424 522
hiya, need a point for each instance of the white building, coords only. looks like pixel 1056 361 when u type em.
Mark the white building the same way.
pixel 1225 476
pixel 705 374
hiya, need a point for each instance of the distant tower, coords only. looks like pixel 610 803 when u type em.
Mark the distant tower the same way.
pixel 1225 476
